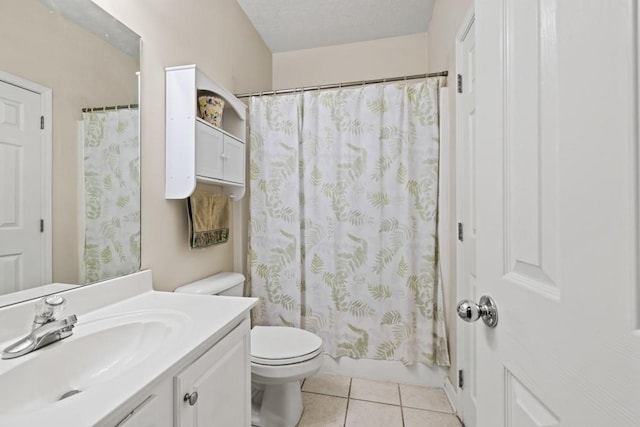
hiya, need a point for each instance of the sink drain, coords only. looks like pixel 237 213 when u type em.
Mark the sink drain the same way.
pixel 69 394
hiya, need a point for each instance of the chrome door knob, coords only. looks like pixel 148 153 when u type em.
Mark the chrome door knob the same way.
pixel 469 311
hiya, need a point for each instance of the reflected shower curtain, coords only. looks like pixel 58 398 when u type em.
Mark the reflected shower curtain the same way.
pixel 111 194
pixel 343 219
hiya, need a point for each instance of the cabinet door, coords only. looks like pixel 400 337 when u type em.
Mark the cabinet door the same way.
pixel 234 160
pixel 222 379
pixel 209 151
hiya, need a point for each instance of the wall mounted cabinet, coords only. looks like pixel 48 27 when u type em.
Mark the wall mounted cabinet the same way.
pixel 195 149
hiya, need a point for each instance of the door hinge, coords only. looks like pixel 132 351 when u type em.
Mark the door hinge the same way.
pixel 42 225
pixel 41 122
pixel 459 83
pixel 460 232
pixel 461 378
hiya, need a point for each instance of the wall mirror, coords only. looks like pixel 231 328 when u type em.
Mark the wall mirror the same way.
pixel 69 147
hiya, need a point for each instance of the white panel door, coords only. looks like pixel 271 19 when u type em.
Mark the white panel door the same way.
pixel 21 240
pixel 557 214
pixel 218 383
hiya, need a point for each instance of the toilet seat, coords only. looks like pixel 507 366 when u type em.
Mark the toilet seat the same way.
pixel 282 345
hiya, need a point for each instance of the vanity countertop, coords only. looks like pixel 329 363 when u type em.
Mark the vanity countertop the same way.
pixel 163 333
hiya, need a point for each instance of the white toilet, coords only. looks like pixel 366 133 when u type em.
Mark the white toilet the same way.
pixel 280 358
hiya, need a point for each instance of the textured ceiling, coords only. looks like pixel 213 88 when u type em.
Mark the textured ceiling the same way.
pixel 302 24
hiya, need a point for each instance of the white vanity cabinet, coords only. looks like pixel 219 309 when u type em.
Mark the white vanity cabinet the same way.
pixel 214 389
pixel 221 377
pixel 196 150
pixel 139 352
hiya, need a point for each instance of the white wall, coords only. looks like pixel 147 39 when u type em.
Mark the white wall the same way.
pixel 82 71
pixel 447 18
pixel 218 37
pixel 390 57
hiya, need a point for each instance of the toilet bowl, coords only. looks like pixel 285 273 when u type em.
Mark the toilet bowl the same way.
pixel 281 357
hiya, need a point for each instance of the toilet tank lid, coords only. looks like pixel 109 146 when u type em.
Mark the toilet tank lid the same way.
pixel 212 285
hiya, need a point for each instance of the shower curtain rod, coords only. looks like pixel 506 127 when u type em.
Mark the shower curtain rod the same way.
pixel 111 107
pixel 341 85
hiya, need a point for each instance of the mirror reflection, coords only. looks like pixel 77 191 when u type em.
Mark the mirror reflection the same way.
pixel 69 147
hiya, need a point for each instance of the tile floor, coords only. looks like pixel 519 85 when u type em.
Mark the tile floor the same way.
pixel 333 400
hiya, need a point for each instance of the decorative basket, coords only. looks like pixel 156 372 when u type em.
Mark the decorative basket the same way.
pixel 210 107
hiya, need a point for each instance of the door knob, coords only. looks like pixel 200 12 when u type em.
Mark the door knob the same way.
pixel 470 311
pixel 192 398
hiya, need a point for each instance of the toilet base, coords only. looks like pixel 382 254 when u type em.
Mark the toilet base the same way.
pixel 276 405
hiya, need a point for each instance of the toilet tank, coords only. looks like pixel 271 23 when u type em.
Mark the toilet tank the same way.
pixel 228 284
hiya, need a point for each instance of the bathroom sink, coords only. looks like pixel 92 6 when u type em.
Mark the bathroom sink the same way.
pixel 99 351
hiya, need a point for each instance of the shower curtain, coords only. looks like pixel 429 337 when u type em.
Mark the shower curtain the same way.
pixel 343 202
pixel 111 151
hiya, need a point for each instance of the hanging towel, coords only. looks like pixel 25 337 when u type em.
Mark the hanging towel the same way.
pixel 208 219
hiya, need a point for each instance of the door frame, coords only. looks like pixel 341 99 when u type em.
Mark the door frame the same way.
pixel 46 165
pixel 462 330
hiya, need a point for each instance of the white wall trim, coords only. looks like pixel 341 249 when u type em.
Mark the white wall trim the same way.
pixel 452 394
pixel 462 335
pixel 385 370
pixel 82 213
pixel 46 162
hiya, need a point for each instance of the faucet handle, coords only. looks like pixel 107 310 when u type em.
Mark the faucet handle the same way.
pixel 48 309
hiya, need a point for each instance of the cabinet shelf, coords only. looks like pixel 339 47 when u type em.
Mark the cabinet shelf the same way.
pixel 195 149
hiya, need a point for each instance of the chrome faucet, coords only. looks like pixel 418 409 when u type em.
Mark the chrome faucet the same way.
pixel 47 328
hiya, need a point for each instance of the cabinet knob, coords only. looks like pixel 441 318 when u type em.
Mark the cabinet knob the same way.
pixel 192 398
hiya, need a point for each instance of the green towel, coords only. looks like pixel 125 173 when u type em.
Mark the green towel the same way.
pixel 208 219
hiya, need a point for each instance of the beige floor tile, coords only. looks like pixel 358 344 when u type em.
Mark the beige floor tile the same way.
pixel 433 399
pixel 420 418
pixel 374 391
pixel 322 411
pixel 370 414
pixel 333 385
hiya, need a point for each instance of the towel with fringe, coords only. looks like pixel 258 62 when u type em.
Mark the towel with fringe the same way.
pixel 208 219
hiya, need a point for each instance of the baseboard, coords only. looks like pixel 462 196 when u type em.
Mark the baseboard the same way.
pixel 452 394
pixel 385 370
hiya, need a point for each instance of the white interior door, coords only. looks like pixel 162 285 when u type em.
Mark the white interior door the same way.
pixel 21 239
pixel 557 213
pixel 466 192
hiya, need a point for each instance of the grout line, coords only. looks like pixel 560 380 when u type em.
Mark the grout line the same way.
pixel 401 408
pixel 375 401
pixel 348 400
pixel 430 410
pixel 325 394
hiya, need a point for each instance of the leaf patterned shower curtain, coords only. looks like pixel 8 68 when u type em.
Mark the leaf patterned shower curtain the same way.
pixel 111 194
pixel 343 196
